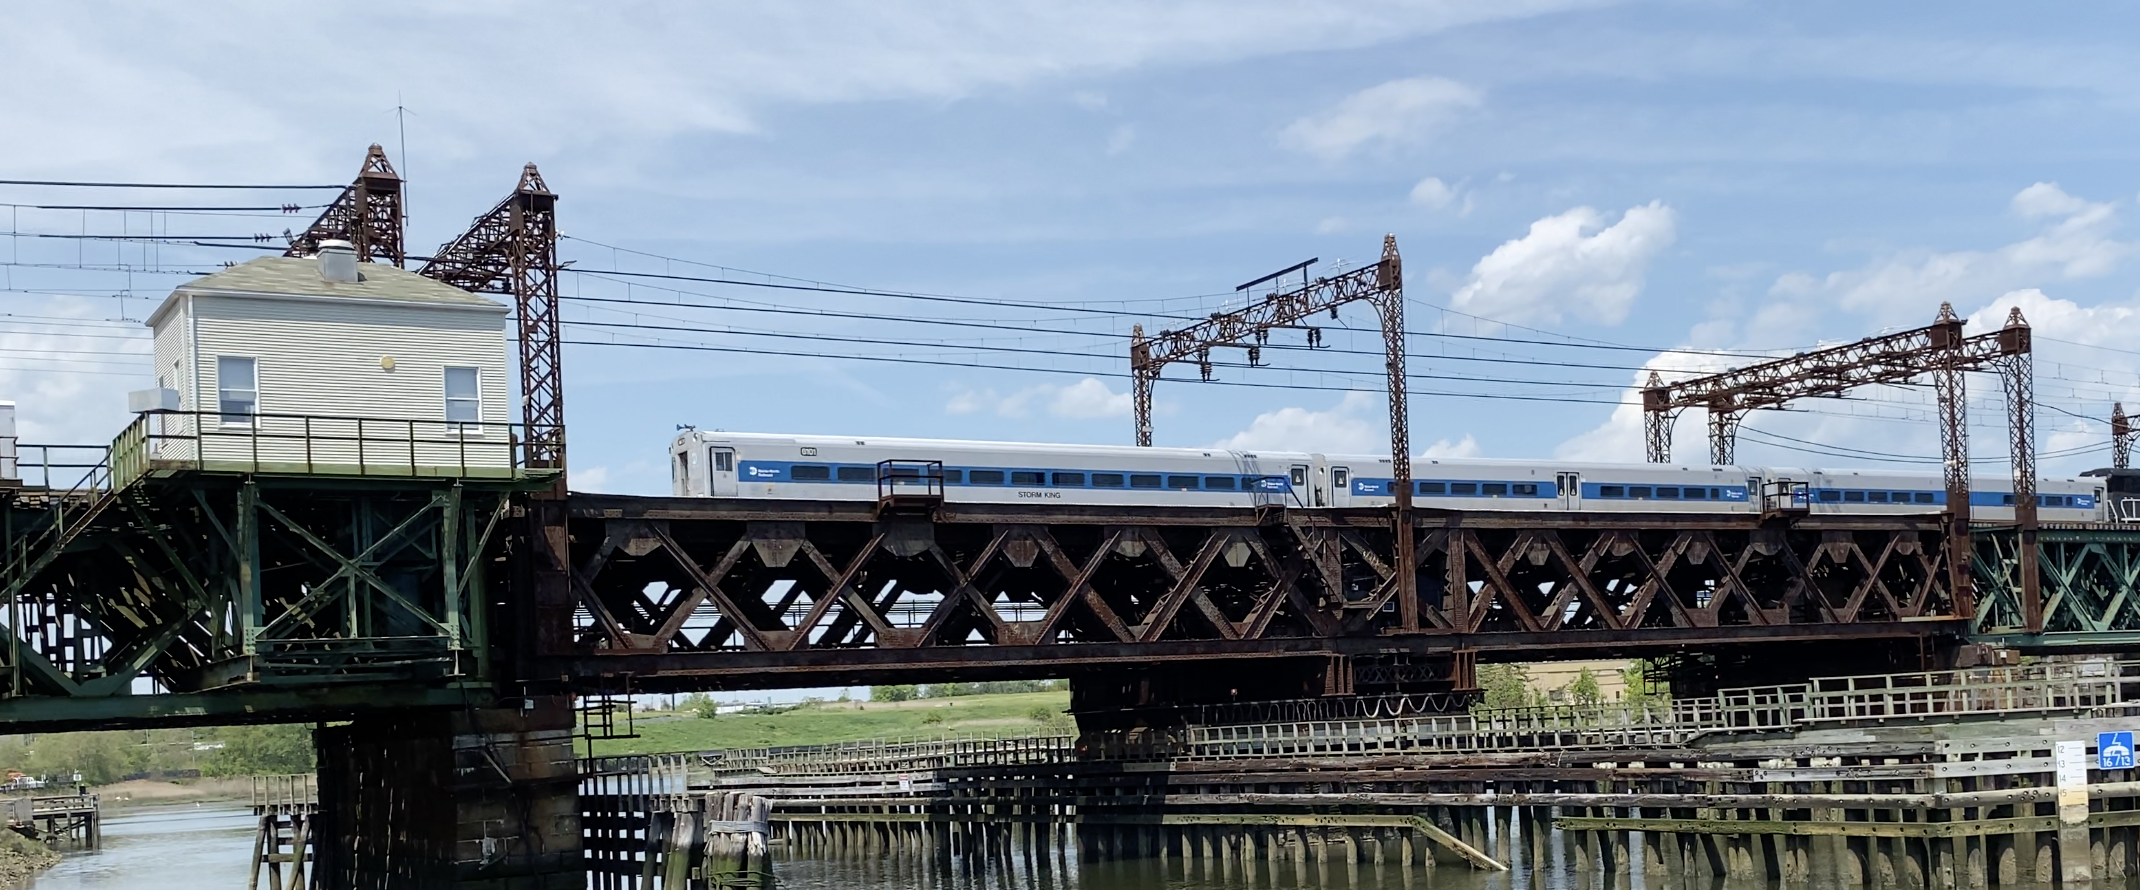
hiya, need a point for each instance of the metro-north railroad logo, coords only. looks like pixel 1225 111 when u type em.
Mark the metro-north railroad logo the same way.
pixel 763 473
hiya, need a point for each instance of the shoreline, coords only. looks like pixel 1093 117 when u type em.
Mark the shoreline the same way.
pixel 22 859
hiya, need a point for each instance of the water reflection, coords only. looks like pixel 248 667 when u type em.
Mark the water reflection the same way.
pixel 181 847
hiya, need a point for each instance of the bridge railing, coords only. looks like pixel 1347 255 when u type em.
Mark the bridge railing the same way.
pixel 318 444
pixel 876 756
pixel 285 794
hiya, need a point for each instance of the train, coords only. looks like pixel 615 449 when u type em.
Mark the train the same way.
pixel 718 464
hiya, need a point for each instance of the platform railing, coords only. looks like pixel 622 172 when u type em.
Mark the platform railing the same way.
pixel 285 794
pixel 319 444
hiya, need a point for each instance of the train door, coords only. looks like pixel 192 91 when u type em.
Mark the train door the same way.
pixel 721 469
pixel 1571 490
pixel 1340 486
pixel 1297 476
pixel 680 478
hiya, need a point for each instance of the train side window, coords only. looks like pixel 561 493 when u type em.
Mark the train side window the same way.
pixel 1433 488
pixel 1464 488
pixel 985 477
pixel 1612 491
pixel 1107 480
pixel 1922 497
pixel 724 461
pixel 954 477
pixel 1853 497
pixel 1667 492
pixel 1526 489
pixel 1638 492
pixel 1494 489
pixel 1716 494
pixel 1185 483
pixel 1219 483
pixel 1143 480
pixel 1877 497
pixel 1028 477
pixel 1830 496
pixel 1070 480
pixel 809 473
pixel 858 474
pixel 1697 494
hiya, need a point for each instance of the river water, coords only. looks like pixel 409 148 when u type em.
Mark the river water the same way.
pixel 179 847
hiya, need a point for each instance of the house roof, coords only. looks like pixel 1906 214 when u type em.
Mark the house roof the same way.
pixel 300 277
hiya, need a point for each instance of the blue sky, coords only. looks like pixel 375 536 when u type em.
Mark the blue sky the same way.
pixel 1730 177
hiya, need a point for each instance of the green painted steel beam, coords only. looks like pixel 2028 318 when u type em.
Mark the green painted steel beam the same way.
pixel 311 704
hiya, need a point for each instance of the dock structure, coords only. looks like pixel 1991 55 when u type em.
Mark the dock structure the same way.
pixel 286 808
pixel 1952 779
pixel 75 820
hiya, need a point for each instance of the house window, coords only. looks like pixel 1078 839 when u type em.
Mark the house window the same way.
pixel 237 389
pixel 463 404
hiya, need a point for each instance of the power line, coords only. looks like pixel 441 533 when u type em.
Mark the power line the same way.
pixel 162 185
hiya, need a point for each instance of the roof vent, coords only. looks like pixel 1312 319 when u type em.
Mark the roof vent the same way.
pixel 338 262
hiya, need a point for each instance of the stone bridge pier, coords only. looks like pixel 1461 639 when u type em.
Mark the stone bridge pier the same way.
pixel 463 799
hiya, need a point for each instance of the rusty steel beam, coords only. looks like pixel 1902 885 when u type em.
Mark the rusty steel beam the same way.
pixel 726 586
pixel 1940 349
pixel 2121 437
pixel 512 251
pixel 1381 285
pixel 367 215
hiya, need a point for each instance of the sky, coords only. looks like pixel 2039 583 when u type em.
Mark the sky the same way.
pixel 1583 192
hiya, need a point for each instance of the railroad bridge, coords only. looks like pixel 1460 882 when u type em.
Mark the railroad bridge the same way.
pixel 448 618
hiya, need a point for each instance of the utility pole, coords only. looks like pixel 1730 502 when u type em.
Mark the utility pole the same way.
pixel 1895 358
pixel 1380 284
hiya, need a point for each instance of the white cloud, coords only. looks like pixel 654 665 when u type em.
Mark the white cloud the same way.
pixel 1330 225
pixel 1400 112
pixel 1432 193
pixel 1087 399
pixel 1444 449
pixel 643 71
pixel 595 479
pixel 1906 287
pixel 1569 264
pixel 2046 199
pixel 1121 139
pixel 1357 424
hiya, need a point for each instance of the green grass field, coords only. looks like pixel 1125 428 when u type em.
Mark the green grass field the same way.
pixel 825 722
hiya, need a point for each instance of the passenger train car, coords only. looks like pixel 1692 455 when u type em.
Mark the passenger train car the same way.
pixel 835 468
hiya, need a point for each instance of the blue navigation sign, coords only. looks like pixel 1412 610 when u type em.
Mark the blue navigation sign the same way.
pixel 2114 750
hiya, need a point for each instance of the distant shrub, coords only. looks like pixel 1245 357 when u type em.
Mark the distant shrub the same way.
pixel 894 693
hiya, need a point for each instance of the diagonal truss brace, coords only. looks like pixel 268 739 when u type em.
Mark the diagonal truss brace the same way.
pixel 1938 349
pixel 512 251
pixel 367 215
pixel 1382 285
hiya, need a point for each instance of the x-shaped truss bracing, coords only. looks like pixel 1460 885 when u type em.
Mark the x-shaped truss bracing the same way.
pixel 728 599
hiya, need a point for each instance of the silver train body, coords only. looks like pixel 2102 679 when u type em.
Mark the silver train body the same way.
pixel 836 468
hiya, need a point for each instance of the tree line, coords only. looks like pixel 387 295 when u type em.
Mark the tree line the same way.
pixel 101 758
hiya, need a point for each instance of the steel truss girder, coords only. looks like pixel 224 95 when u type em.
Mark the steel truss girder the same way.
pixel 204 583
pixel 512 251
pixel 367 214
pixel 737 587
pixel 2090 586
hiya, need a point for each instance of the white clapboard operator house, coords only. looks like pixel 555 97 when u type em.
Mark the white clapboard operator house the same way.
pixel 323 364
